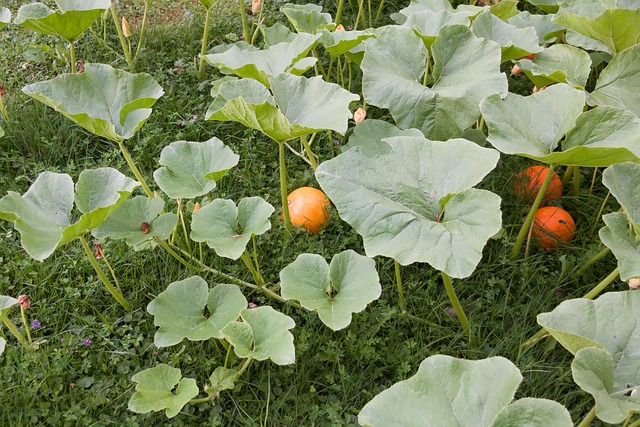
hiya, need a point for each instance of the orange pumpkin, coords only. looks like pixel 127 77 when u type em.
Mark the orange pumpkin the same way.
pixel 308 208
pixel 528 183
pixel 553 226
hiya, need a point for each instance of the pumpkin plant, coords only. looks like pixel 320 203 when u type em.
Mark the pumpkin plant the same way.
pixel 69 22
pixel 105 101
pixel 293 107
pixel 450 391
pixel 423 200
pixel 43 214
pixel 262 333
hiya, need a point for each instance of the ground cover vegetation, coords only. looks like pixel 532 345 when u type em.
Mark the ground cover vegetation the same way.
pixel 461 250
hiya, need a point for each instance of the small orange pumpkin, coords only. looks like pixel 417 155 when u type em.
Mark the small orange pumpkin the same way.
pixel 553 226
pixel 528 183
pixel 308 208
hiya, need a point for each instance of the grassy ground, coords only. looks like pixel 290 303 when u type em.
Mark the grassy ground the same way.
pixel 70 380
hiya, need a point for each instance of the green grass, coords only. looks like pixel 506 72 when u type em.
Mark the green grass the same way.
pixel 64 382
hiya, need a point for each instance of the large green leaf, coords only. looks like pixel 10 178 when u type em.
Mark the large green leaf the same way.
pixel 550 6
pixel 465 70
pixel 619 236
pixel 262 334
pixel 308 18
pixel 618 29
pixel 73 18
pixel 417 6
pixel 5 16
pixel 107 102
pixel 514 42
pixel 3 343
pixel 43 214
pixel 1 132
pixel 244 60
pixel 618 83
pixel 415 203
pixel 623 180
pixel 138 221
pixel 340 42
pixel 559 63
pixel 299 106
pixel 427 24
pixel 227 228
pixel 178 311
pixel 155 390
pixel 191 169
pixel 532 126
pixel 335 291
pixel 546 29
pixel 7 302
pixel 594 371
pixel 369 134
pixel 277 33
pixel 612 324
pixel 455 392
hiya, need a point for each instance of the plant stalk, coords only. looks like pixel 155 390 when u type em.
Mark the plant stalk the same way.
pixel 604 202
pixel 462 317
pixel 72 54
pixel 203 49
pixel 12 328
pixel 360 10
pixel 103 277
pixel 339 12
pixel 403 304
pixel 532 212
pixel 586 421
pixel 245 24
pixel 576 181
pixel 310 155
pixel 113 273
pixel 246 258
pixel 283 188
pixel 24 322
pixel 592 261
pixel 243 368
pixel 135 170
pixel 143 28
pixel 184 227
pixel 602 285
pixel 123 41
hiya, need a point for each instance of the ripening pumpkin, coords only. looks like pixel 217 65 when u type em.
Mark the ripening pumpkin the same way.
pixel 528 183
pixel 553 226
pixel 308 208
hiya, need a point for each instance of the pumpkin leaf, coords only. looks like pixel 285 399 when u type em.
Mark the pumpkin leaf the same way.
pixel 73 18
pixel 223 379
pixel 394 65
pixel 514 42
pixel 447 391
pixel 299 106
pixel 335 290
pixel 277 33
pixel 420 194
pixel 340 42
pixel 546 29
pixel 623 180
pixel 191 169
pixel 549 6
pixel 594 371
pixel 427 24
pixel 107 102
pixel 5 18
pixel 246 61
pixel 155 390
pixel 417 6
pixel 616 86
pixel 138 221
pixel 7 302
pixel 178 310
pixel 262 334
pixel 3 343
pixel 559 63
pixel 43 214
pixel 227 228
pixel 601 334
pixel 619 236
pixel 369 135
pixel 618 29
pixel 308 18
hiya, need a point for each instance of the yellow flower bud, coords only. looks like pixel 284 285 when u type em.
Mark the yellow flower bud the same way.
pixel 126 30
